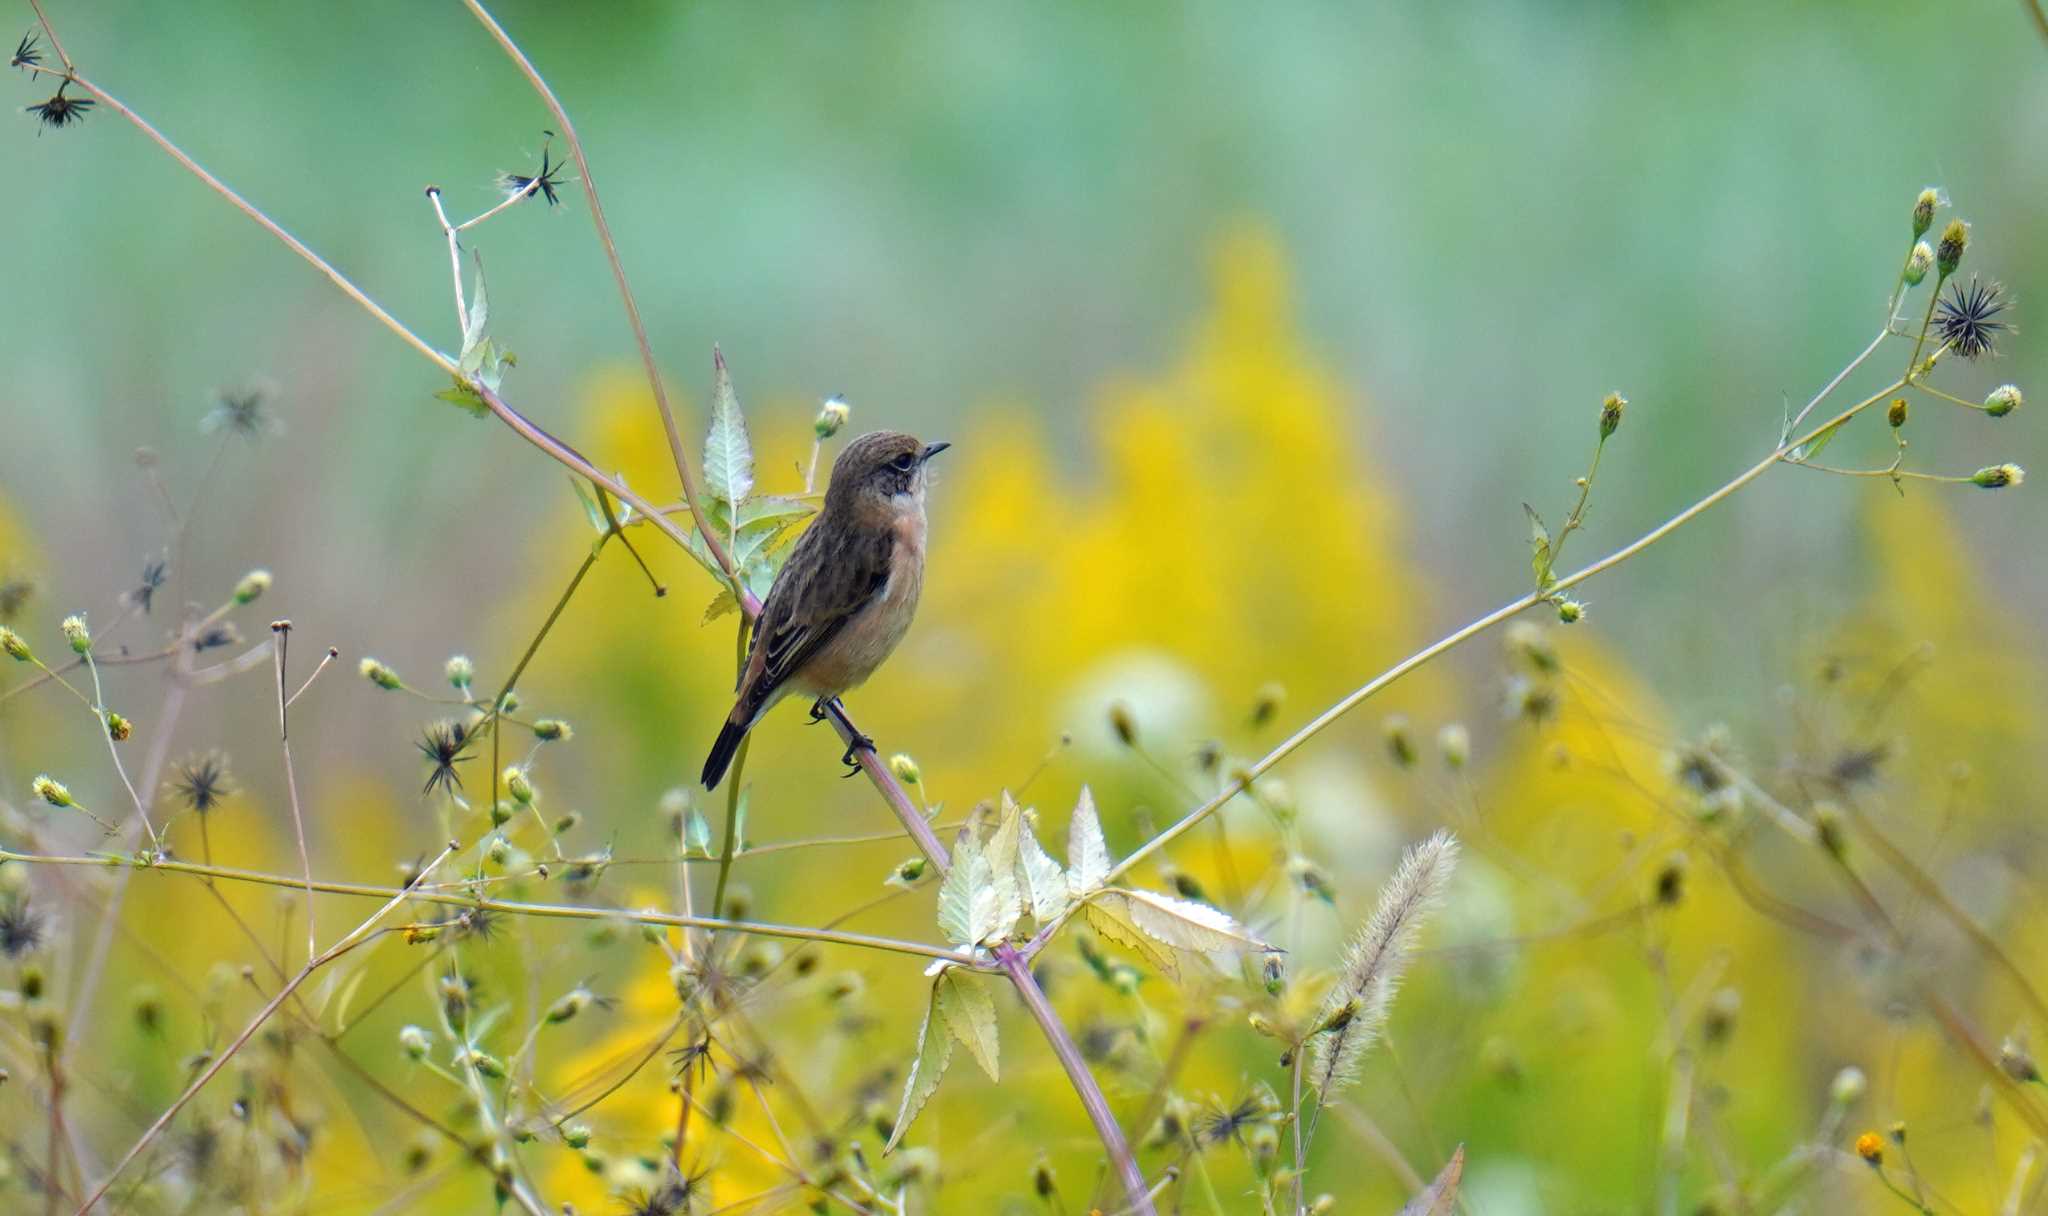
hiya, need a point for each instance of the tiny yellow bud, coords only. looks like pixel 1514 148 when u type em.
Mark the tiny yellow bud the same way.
pixel 519 785
pixel 1949 253
pixel 1896 415
pixel 1611 407
pixel 378 674
pixel 1923 210
pixel 1570 611
pixel 52 792
pixel 1871 1148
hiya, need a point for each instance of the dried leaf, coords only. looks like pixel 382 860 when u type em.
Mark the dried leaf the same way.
pixel 1187 925
pixel 1109 915
pixel 1045 884
pixel 1088 859
pixel 1439 1198
pixel 934 1052
pixel 969 1014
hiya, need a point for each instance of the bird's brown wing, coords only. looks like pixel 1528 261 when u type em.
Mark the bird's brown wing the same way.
pixel 829 578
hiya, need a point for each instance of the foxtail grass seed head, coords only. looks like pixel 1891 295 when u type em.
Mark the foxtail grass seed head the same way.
pixel 1949 253
pixel 460 672
pixel 832 417
pixel 1400 740
pixel 51 791
pixel 552 730
pixel 1454 744
pixel 1123 724
pixel 905 768
pixel 1896 414
pixel 118 727
pixel 13 647
pixel 1870 1147
pixel 74 631
pixel 252 586
pixel 1570 611
pixel 1998 476
pixel 1918 263
pixel 1848 1087
pixel 1611 407
pixel 2017 1062
pixel 2003 400
pixel 380 675
pixel 1923 210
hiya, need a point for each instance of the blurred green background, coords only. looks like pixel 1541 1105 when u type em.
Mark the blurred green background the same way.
pixel 1437 234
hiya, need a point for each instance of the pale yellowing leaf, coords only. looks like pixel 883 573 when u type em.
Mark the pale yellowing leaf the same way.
pixel 1109 915
pixel 1088 859
pixel 969 1014
pixel 1439 1198
pixel 1045 884
pixel 971 909
pixel 1187 925
pixel 934 1052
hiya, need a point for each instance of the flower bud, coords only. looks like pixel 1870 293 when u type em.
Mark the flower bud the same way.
pixel 576 1135
pixel 1896 415
pixel 414 1042
pixel 1998 476
pixel 1918 263
pixel 499 850
pixel 519 785
pixel 552 730
pixel 1570 611
pixel 1273 970
pixel 252 586
pixel 1923 210
pixel 380 675
pixel 485 1063
pixel 460 672
pixel 52 792
pixel 1610 413
pixel 2003 400
pixel 1848 1086
pixel 905 768
pixel 1263 1025
pixel 13 647
pixel 1949 254
pixel 509 703
pixel 1454 743
pixel 1870 1148
pixel 831 417
pixel 118 727
pixel 77 634
pixel 571 1003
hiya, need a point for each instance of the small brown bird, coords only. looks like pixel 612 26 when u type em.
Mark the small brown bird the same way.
pixel 845 597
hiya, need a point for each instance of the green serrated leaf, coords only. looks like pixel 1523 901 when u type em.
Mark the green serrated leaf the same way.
pixel 1088 859
pixel 1439 1198
pixel 1108 913
pixel 969 1014
pixel 462 394
pixel 1187 925
pixel 479 313
pixel 720 605
pixel 1539 550
pixel 934 1052
pixel 728 454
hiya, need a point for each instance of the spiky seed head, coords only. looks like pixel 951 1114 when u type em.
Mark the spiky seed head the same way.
pixel 252 586
pixel 1848 1086
pixel 1611 407
pixel 1949 253
pixel 380 675
pixel 50 791
pixel 1998 476
pixel 905 768
pixel 2003 400
pixel 75 632
pixel 12 645
pixel 460 671
pixel 1454 743
pixel 1570 611
pixel 832 417
pixel 1896 415
pixel 1918 263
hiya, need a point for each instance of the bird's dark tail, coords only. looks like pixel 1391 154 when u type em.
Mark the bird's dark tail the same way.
pixel 729 737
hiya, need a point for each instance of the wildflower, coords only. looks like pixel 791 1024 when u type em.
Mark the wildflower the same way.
pixel 153 574
pixel 1923 210
pixel 551 730
pixel 519 785
pixel 62 111
pixel 380 675
pixel 1896 415
pixel 21 928
pixel 1998 476
pixel 242 411
pixel 12 645
pixel 1966 319
pixel 2003 400
pixel 75 632
pixel 1610 413
pixel 1871 1148
pixel 1454 742
pixel 118 727
pixel 905 768
pixel 26 53
pixel 1918 263
pixel 832 417
pixel 543 183
pixel 1848 1087
pixel 252 586
pixel 1949 253
pixel 443 744
pixel 50 791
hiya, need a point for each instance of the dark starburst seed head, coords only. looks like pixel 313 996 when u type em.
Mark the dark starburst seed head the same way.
pixel 21 928
pixel 1967 317
pixel 60 110
pixel 154 572
pixel 543 183
pixel 201 782
pixel 1220 1125
pixel 27 53
pixel 442 744
pixel 242 411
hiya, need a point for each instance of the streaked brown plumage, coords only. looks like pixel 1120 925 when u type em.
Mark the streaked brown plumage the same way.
pixel 848 592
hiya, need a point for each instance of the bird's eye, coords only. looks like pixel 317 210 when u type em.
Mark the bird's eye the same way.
pixel 904 463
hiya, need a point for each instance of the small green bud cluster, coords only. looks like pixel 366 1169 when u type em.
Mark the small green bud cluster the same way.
pixel 832 417
pixel 460 672
pixel 252 586
pixel 1998 476
pixel 1918 263
pixel 2003 400
pixel 551 730
pixel 13 647
pixel 1611 407
pixel 380 675
pixel 76 633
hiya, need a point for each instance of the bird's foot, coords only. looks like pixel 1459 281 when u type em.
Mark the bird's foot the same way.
pixel 821 709
pixel 861 743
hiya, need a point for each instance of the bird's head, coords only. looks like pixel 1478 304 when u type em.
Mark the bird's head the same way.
pixel 881 468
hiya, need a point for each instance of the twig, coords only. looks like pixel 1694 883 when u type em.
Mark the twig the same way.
pixel 282 632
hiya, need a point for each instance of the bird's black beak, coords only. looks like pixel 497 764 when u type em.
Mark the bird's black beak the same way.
pixel 932 450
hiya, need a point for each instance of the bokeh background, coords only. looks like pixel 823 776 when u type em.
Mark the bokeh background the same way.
pixel 1253 331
